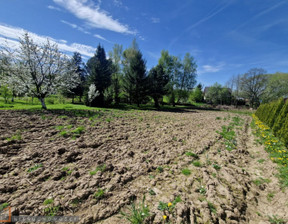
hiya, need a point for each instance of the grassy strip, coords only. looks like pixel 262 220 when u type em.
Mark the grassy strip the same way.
pixel 276 149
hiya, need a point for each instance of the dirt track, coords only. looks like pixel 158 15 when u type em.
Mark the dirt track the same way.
pixel 131 153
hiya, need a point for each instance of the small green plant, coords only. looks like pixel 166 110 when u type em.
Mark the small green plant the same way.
pixel 37 166
pixel 67 170
pixel 216 166
pixel 214 175
pixel 51 211
pixel 218 118
pixel 261 160
pixel 259 181
pixel 195 156
pixel 137 214
pixel 48 201
pixel 197 163
pixel 168 209
pixel 151 192
pixel 174 138
pixel 4 205
pixel 99 194
pixel 270 196
pixel 17 136
pixel 100 168
pixel 75 202
pixel 78 131
pixel 160 169
pixel 186 172
pixel 275 220
pixel 212 207
pixel 64 134
pixel 202 190
pixel 59 128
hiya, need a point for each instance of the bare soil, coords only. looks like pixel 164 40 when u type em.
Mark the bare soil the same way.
pixel 68 157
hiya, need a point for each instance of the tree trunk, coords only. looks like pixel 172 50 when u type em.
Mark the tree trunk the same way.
pixel 156 102
pixel 42 103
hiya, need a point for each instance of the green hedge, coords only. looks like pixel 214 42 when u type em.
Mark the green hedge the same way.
pixel 275 115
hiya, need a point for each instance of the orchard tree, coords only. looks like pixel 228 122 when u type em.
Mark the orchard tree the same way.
pixel 157 80
pixel 100 71
pixel 253 85
pixel 38 70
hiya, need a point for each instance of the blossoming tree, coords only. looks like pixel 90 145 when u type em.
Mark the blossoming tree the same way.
pixel 38 70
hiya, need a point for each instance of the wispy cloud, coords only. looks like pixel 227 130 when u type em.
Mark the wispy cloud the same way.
pixel 9 36
pixel 155 20
pixel 210 15
pixel 101 38
pixel 54 8
pixel 75 27
pixel 93 15
pixel 213 68
pixel 119 4
pixel 260 14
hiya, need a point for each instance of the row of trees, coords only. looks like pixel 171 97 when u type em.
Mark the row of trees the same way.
pixel 256 86
pixel 39 71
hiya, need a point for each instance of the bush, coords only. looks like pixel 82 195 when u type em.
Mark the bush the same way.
pixel 274 114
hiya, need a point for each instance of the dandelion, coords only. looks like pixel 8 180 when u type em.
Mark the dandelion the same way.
pixel 164 217
pixel 169 204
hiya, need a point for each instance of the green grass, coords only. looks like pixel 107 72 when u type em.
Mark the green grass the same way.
pixel 276 220
pixel 35 167
pixel 17 136
pixel 99 194
pixel 186 172
pixel 137 213
pixel 212 207
pixel 48 202
pixel 216 166
pixel 259 181
pixel 4 205
pixel 261 160
pixel 160 169
pixel 100 168
pixel 195 156
pixel 197 163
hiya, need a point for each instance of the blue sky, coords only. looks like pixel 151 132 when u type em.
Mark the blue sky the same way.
pixel 226 37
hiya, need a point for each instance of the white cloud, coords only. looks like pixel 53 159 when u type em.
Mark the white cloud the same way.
pixel 155 20
pixel 93 16
pixel 211 68
pixel 54 8
pixel 74 26
pixel 101 38
pixel 9 37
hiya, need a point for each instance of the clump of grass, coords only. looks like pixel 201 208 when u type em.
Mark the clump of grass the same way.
pixel 48 201
pixel 160 169
pixel 261 160
pixel 78 131
pixel 276 220
pixel 202 190
pixel 100 168
pixel 283 176
pixel 4 205
pixel 195 156
pixel 197 163
pixel 259 181
pixel 212 207
pixel 35 167
pixel 51 211
pixel 151 192
pixel 218 118
pixel 64 134
pixel 137 214
pixel 186 172
pixel 99 194
pixel 17 136
pixel 270 196
pixel 216 166
pixel 59 128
